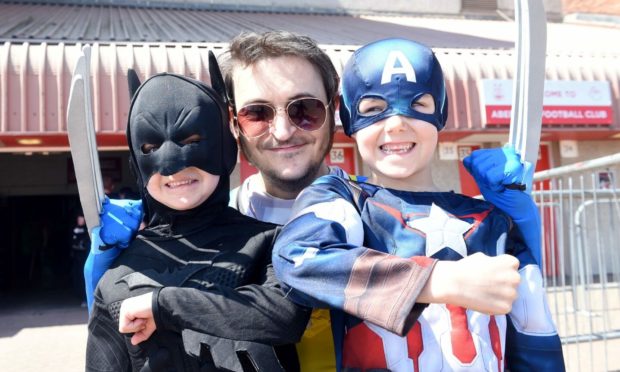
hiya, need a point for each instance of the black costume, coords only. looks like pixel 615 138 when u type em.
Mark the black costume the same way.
pixel 216 302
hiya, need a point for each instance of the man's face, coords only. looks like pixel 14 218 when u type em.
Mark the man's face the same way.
pixel 288 158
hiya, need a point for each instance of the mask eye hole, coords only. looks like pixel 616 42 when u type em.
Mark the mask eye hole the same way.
pixel 371 106
pixel 149 148
pixel 194 138
pixel 424 105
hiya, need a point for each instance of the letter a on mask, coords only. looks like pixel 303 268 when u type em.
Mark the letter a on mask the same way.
pixel 397 64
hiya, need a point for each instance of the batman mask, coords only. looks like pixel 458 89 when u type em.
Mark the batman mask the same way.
pixel 398 72
pixel 176 122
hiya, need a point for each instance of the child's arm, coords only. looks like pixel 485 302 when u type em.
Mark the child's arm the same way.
pixel 120 220
pixel 320 258
pixel 477 282
pixel 494 170
pixel 532 342
pixel 256 312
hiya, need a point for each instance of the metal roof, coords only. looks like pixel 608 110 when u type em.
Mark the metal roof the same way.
pixel 36 65
pixel 91 23
pixel 72 23
pixel 35 78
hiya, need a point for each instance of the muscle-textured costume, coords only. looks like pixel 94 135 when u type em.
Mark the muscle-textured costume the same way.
pixel 328 237
pixel 367 251
pixel 216 302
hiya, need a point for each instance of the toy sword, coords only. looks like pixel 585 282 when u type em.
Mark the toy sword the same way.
pixel 83 143
pixel 528 88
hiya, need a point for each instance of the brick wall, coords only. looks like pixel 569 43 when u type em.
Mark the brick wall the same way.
pixel 610 7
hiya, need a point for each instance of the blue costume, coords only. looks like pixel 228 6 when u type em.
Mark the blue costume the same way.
pixel 366 251
pixel 329 238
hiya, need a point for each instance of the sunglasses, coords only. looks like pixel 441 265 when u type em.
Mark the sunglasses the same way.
pixel 308 114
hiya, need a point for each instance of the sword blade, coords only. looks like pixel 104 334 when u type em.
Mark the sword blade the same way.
pixel 83 143
pixel 527 107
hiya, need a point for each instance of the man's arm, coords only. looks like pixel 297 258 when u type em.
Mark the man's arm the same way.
pixel 320 258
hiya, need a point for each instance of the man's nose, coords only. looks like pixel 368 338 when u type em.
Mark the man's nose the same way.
pixel 281 127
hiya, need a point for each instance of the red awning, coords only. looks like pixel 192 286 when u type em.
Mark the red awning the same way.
pixel 35 79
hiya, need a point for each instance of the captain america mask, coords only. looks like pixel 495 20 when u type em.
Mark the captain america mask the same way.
pixel 398 72
pixel 176 122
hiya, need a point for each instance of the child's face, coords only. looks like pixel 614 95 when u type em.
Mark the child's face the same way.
pixel 183 190
pixel 398 147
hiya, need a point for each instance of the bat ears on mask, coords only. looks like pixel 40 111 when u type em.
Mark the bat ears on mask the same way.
pixel 133 82
pixel 217 81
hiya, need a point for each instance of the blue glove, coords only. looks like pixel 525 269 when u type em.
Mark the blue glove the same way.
pixel 496 171
pixel 120 221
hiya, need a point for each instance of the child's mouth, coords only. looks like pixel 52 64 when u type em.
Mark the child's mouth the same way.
pixel 396 148
pixel 176 184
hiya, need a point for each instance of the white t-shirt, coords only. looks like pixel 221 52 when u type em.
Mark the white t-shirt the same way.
pixel 251 199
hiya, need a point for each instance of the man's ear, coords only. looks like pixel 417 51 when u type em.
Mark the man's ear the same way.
pixel 336 103
pixel 231 122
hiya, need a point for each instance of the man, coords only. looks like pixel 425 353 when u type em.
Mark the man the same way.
pixel 284 92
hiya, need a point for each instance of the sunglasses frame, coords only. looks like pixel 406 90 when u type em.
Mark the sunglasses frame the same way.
pixel 275 110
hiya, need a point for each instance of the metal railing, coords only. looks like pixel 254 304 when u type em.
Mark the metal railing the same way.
pixel 580 212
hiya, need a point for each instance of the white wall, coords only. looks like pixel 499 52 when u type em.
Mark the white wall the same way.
pixel 551 6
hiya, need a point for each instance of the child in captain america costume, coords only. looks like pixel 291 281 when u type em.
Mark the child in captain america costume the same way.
pixel 372 239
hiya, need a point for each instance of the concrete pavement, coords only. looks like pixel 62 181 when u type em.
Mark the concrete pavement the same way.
pixel 46 332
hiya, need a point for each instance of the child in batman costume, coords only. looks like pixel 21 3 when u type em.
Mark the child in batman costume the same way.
pixel 204 267
pixel 371 239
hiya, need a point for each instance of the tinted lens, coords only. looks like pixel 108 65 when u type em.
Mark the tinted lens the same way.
pixel 254 119
pixel 307 113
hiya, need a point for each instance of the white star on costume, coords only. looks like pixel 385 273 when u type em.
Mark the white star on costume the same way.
pixel 308 253
pixel 442 231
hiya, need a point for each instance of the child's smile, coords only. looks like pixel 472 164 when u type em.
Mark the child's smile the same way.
pixel 397 147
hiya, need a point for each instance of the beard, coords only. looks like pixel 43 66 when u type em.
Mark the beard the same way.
pixel 272 175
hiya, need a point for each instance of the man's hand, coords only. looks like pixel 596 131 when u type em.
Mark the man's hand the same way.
pixel 136 316
pixel 120 219
pixel 477 282
pixel 494 171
